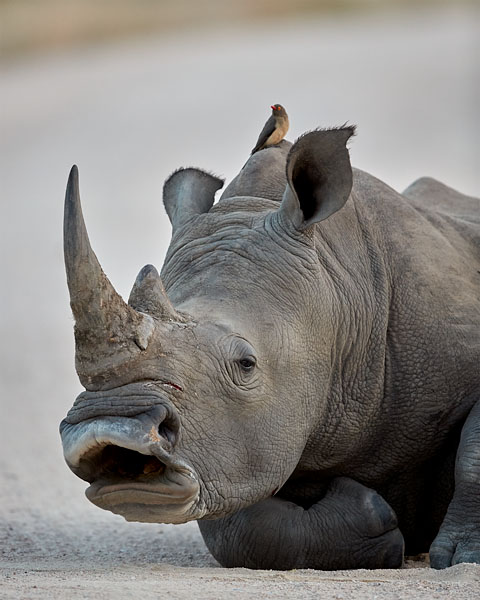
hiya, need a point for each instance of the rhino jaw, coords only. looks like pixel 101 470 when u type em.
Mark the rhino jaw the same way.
pixel 129 470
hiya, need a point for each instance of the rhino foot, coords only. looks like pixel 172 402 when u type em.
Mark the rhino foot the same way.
pixel 458 541
pixel 459 537
pixel 447 551
pixel 350 527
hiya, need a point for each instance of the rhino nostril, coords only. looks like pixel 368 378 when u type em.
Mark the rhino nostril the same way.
pixel 163 425
pixel 166 424
pixel 166 432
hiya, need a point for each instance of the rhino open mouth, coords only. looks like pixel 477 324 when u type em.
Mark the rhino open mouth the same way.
pixel 111 462
pixel 131 476
pixel 140 487
pixel 137 486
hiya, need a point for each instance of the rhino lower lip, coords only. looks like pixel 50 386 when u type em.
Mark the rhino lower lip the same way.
pixel 171 491
pixel 155 492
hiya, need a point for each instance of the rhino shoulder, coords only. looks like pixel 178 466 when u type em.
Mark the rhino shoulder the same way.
pixel 440 196
pixel 448 210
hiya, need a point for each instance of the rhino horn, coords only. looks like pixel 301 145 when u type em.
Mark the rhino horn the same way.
pixel 148 296
pixel 108 332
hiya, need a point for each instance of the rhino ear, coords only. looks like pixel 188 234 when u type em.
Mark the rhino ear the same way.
pixel 319 177
pixel 189 192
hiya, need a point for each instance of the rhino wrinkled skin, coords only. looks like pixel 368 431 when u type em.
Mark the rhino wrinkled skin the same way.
pixel 303 378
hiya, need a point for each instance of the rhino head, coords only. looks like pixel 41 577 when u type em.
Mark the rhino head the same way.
pixel 198 396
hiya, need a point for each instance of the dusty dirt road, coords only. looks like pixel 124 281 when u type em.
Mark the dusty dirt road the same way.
pixel 128 115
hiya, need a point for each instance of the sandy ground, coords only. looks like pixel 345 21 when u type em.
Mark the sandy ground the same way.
pixel 129 114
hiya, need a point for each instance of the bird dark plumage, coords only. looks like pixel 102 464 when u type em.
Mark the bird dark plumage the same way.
pixel 274 129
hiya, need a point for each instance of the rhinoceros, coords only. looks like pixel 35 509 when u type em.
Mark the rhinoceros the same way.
pixel 303 378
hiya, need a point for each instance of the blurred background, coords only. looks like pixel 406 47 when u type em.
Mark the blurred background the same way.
pixel 132 89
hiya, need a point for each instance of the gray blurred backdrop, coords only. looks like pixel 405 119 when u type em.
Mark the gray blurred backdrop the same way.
pixel 131 90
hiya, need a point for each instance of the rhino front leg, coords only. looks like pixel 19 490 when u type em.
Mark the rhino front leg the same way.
pixel 351 527
pixel 459 537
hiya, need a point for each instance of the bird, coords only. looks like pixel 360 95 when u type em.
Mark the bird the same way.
pixel 274 129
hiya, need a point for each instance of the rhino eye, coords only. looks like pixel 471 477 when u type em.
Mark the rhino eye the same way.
pixel 241 361
pixel 247 364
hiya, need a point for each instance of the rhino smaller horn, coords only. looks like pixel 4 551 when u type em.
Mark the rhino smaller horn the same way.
pixel 148 296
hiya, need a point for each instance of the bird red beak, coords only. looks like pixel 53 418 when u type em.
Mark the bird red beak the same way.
pixel 273 108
